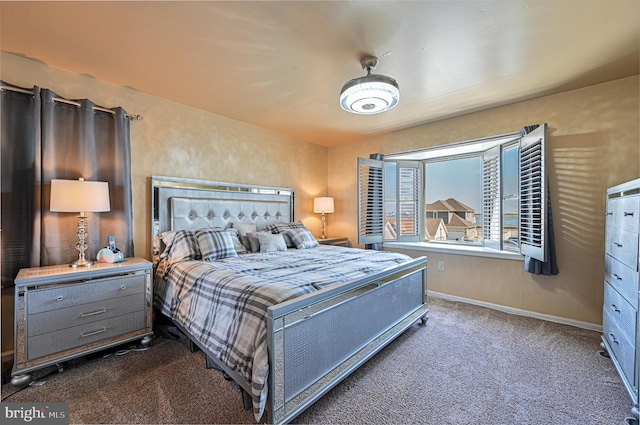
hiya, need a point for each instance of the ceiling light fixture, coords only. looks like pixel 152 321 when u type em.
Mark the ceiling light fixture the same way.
pixel 371 94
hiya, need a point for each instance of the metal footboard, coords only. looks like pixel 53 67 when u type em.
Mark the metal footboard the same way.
pixel 317 340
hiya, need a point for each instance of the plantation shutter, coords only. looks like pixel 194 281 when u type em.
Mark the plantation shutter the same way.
pixel 409 206
pixel 491 198
pixel 533 197
pixel 370 201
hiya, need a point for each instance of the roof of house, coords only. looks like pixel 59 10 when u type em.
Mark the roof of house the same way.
pixel 433 224
pixel 450 204
pixel 457 221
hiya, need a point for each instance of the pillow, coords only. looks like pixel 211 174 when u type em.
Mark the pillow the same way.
pixel 302 238
pixel 254 242
pixel 240 248
pixel 243 229
pixel 182 245
pixel 215 244
pixel 270 242
pixel 281 227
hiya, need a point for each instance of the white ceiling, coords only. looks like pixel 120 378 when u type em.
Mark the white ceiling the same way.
pixel 281 64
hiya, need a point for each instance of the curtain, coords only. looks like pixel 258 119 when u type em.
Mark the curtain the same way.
pixel 49 138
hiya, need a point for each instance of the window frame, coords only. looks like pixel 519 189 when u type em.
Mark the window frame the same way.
pixel 531 138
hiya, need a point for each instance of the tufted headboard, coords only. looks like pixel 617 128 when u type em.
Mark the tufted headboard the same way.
pixel 193 204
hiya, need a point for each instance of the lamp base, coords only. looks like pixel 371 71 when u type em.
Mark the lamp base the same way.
pixel 81 262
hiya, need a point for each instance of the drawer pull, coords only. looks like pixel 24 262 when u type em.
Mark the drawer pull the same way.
pixel 59 298
pixel 93 313
pixel 613 339
pixel 628 214
pixel 609 213
pixel 617 277
pixel 123 288
pixel 616 309
pixel 619 245
pixel 99 331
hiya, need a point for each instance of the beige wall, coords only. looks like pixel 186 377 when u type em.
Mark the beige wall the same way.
pixel 180 141
pixel 593 144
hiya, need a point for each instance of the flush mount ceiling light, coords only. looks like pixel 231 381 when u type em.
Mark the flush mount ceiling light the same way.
pixel 370 94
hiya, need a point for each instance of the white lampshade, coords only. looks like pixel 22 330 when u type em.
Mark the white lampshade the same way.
pixel 323 204
pixel 79 196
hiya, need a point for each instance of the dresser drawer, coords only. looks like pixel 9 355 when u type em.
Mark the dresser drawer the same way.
pixel 624 213
pixel 66 339
pixel 623 349
pixel 55 297
pixel 623 245
pixel 620 311
pixel 53 320
pixel 623 279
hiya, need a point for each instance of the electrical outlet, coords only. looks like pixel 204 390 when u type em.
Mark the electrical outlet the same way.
pixel 441 266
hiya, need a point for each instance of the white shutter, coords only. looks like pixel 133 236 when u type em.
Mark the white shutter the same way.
pixel 491 199
pixel 370 201
pixel 533 196
pixel 409 209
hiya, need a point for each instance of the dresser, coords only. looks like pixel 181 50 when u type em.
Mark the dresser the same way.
pixel 621 286
pixel 63 312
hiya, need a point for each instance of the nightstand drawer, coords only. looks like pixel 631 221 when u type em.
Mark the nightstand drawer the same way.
pixel 65 339
pixel 54 320
pixel 55 297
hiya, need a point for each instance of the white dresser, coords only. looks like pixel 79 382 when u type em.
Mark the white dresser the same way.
pixel 621 287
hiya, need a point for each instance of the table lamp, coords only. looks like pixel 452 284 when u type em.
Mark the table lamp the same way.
pixel 80 196
pixel 323 204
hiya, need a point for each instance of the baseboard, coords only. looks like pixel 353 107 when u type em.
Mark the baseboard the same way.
pixel 519 312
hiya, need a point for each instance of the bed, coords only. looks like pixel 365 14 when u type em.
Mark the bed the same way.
pixel 286 324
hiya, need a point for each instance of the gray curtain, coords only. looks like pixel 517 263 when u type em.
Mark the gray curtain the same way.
pixel 49 139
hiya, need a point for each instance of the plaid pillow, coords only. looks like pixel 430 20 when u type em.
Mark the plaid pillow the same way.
pixel 215 244
pixel 302 238
pixel 281 227
pixel 183 246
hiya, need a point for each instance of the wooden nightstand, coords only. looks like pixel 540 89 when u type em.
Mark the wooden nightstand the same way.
pixel 63 312
pixel 334 241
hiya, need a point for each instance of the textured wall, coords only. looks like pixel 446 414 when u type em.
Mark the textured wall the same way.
pixel 593 144
pixel 180 141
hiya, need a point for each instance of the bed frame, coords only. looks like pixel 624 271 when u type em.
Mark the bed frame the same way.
pixel 316 340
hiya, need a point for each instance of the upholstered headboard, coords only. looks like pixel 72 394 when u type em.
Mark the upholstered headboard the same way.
pixel 193 204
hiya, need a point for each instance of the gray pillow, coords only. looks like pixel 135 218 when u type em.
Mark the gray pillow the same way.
pixel 243 229
pixel 270 242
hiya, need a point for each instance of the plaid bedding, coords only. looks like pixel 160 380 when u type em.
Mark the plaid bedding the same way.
pixel 223 303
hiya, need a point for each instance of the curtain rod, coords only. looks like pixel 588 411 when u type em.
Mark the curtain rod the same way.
pixel 131 117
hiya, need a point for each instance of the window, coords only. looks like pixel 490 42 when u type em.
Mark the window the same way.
pixel 488 192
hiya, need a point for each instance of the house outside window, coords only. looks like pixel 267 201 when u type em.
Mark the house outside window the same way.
pixel 505 188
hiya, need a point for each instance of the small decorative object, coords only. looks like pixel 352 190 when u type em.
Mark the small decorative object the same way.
pixel 106 255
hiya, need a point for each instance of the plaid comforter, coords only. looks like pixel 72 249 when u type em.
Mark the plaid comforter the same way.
pixel 223 303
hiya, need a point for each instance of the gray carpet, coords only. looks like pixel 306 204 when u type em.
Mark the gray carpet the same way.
pixel 469 365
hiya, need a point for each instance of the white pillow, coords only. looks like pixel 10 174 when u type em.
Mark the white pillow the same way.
pixel 270 242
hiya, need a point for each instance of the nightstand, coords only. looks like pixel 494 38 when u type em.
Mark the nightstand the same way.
pixel 334 241
pixel 63 312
